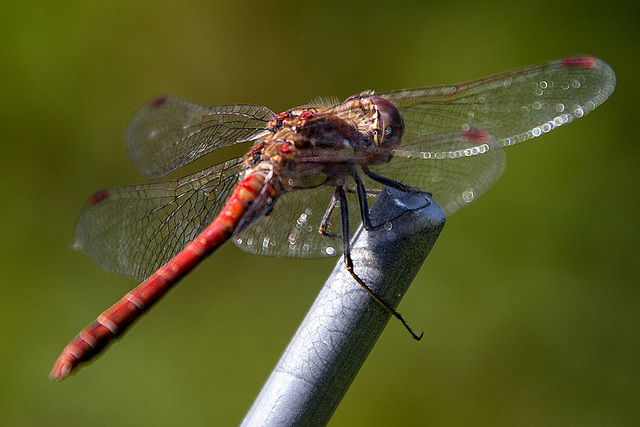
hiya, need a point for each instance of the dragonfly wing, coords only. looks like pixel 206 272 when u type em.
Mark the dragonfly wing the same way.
pixel 502 110
pixel 455 127
pixel 133 230
pixel 170 132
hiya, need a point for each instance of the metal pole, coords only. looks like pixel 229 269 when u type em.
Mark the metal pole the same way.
pixel 344 322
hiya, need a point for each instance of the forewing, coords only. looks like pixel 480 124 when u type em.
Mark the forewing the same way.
pixel 456 127
pixel 133 230
pixel 502 110
pixel 170 132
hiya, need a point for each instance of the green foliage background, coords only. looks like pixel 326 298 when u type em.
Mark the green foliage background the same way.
pixel 530 299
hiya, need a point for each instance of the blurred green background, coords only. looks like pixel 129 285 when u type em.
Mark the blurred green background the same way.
pixel 529 301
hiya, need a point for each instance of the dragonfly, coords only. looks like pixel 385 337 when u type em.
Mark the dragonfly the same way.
pixel 289 195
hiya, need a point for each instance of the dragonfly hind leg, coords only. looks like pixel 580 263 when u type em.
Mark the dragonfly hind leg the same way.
pixel 344 214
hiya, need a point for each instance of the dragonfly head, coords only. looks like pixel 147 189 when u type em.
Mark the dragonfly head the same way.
pixel 387 126
pixel 384 127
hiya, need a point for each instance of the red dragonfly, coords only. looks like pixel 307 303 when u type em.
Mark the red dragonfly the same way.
pixel 305 165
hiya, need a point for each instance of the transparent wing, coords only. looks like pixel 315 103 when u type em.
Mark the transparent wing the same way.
pixel 133 230
pixel 456 127
pixel 170 132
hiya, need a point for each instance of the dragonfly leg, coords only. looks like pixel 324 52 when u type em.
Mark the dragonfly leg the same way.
pixel 364 208
pixel 344 214
pixel 390 182
pixel 324 224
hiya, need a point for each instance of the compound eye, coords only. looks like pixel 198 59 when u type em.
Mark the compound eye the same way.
pixel 392 125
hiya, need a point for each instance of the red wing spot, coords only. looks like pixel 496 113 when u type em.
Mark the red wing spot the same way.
pixel 98 197
pixel 579 62
pixel 282 116
pixel 158 101
pixel 477 135
pixel 305 115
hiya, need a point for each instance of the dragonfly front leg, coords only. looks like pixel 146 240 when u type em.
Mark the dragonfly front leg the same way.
pixel 390 182
pixel 364 209
pixel 362 199
pixel 344 214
